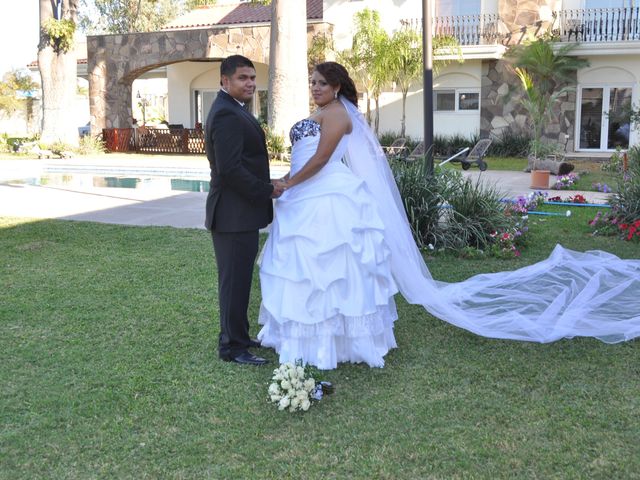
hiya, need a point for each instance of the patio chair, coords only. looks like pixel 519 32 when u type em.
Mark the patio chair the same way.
pixel 474 156
pixel 417 153
pixel 397 149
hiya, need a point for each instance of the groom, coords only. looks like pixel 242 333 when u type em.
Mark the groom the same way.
pixel 239 202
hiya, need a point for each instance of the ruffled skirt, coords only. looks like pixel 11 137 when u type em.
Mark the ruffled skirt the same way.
pixel 325 275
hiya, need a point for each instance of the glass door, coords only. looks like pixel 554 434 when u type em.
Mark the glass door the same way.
pixel 619 118
pixel 604 118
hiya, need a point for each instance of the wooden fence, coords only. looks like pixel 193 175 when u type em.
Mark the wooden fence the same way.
pixel 154 140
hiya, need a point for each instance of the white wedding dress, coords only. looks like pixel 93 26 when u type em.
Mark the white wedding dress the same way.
pixel 331 230
pixel 327 287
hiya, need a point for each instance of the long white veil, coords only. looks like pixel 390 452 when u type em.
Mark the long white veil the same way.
pixel 569 294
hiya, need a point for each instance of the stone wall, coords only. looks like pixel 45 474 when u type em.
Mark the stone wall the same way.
pixel 521 17
pixel 501 96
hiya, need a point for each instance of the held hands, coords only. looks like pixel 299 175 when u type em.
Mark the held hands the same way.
pixel 279 186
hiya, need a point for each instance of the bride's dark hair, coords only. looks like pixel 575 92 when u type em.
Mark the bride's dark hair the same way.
pixel 337 76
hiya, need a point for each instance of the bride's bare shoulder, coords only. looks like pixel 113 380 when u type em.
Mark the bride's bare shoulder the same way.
pixel 335 114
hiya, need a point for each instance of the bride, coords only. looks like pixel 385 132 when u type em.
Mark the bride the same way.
pixel 340 247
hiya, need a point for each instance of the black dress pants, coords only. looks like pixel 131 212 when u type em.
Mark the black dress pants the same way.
pixel 235 256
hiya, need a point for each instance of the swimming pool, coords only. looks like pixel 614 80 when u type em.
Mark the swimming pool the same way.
pixel 90 177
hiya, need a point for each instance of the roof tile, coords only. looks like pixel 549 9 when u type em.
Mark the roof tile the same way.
pixel 243 13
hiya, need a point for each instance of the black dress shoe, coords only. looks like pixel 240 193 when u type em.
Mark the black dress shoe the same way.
pixel 254 343
pixel 246 358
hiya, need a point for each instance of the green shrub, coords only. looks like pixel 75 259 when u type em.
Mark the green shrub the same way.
pixel 510 144
pixel 614 163
pixel 447 211
pixel 4 143
pixel 626 200
pixel 446 145
pixel 423 197
pixel 476 212
pixel 387 138
pixel 275 143
pixel 91 145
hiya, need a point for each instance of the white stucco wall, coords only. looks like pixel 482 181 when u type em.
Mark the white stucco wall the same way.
pixel 185 77
pixel 465 75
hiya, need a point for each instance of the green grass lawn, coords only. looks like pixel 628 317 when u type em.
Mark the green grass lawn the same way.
pixel 108 369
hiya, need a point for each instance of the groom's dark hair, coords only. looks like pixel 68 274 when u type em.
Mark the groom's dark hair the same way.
pixel 230 64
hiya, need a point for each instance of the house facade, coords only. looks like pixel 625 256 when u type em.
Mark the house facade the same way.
pixel 476 97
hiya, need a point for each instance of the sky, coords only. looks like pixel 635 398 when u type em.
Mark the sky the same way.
pixel 18 33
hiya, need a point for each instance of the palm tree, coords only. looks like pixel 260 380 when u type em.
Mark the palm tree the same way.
pixel 536 103
pixel 405 64
pixel 548 64
pixel 542 67
pixel 362 60
pixel 288 77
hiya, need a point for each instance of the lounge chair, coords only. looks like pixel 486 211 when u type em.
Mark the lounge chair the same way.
pixel 474 156
pixel 417 153
pixel 397 149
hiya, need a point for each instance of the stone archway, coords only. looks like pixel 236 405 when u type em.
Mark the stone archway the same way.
pixel 115 61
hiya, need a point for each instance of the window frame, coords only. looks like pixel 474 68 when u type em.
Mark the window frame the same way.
pixel 457 91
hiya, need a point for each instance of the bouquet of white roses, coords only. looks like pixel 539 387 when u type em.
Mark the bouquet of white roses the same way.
pixel 292 387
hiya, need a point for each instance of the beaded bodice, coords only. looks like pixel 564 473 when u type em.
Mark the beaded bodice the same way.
pixel 304 128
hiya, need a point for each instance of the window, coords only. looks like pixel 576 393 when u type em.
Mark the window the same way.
pixel 444 100
pixel 468 101
pixel 454 8
pixel 453 100
pixel 609 3
pixel 604 117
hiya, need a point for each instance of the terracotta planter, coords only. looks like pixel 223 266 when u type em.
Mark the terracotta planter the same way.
pixel 540 179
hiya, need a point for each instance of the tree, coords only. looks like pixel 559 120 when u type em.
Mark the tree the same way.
pixel 367 51
pixel 405 60
pixel 288 76
pixel 548 64
pixel 537 103
pixel 127 16
pixel 16 89
pixel 191 4
pixel 58 70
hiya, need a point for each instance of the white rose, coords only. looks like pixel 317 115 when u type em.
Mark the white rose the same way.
pixel 275 398
pixel 309 384
pixel 302 395
pixel 295 401
pixel 274 389
pixel 283 403
pixel 305 404
pixel 300 371
pixel 286 385
pixel 277 377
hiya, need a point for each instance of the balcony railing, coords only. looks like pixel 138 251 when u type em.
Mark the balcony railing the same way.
pixel 467 29
pixel 599 24
pixel 587 25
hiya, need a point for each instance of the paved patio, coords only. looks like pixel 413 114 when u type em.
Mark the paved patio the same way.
pixel 151 205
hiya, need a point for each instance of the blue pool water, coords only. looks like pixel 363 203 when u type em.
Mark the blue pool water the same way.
pixel 97 180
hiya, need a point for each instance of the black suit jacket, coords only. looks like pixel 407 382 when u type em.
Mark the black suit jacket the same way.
pixel 240 190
